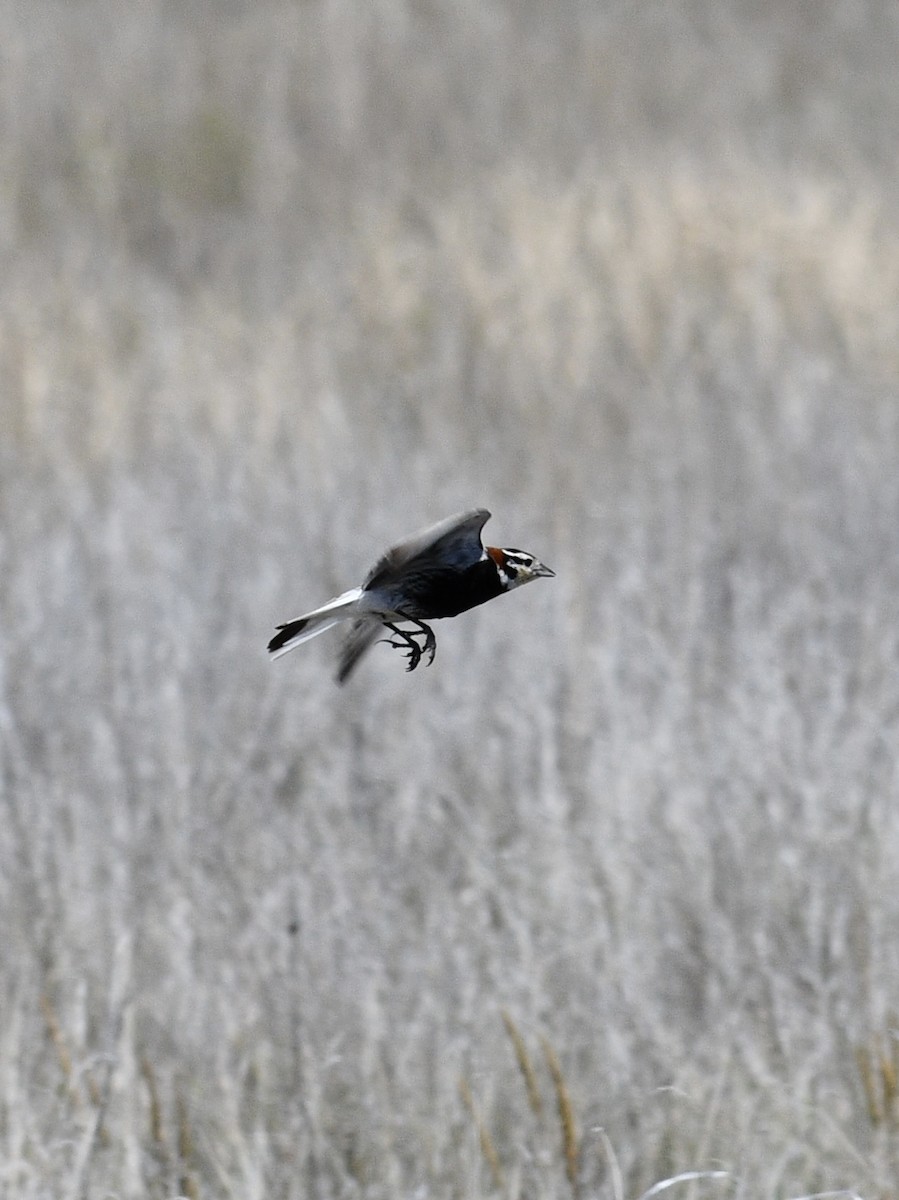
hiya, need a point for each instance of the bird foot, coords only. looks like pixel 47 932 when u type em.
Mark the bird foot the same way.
pixel 407 642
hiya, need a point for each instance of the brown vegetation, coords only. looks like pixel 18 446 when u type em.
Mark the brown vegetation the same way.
pixel 281 282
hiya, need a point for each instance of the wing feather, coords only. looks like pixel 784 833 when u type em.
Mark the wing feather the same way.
pixel 455 541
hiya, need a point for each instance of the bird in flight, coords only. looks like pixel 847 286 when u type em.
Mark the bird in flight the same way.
pixel 440 572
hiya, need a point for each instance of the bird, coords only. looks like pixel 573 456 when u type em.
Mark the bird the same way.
pixel 440 572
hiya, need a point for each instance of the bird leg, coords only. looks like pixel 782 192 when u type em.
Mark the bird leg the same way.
pixel 406 641
pixel 430 643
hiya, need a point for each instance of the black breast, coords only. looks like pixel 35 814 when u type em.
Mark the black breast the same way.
pixel 436 592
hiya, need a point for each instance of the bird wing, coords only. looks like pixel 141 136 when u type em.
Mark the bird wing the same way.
pixel 455 542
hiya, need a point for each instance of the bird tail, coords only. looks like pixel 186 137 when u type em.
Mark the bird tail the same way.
pixel 362 635
pixel 294 633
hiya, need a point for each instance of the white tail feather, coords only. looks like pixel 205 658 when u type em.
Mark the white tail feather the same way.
pixel 318 621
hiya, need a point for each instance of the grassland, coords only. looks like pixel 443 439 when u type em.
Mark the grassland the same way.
pixel 610 894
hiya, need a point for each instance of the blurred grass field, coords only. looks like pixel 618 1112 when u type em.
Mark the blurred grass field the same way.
pixel 607 896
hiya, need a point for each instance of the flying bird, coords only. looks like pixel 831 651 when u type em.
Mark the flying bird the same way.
pixel 440 572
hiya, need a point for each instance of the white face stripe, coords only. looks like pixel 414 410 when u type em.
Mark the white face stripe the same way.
pixel 516 566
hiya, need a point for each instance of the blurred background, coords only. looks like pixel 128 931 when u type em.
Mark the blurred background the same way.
pixel 607 895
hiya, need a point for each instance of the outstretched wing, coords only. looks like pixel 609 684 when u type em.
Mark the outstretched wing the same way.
pixel 455 542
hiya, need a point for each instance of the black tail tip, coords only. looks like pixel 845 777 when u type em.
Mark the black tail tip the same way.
pixel 284 634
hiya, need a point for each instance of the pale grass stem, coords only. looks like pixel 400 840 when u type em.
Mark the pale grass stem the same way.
pixel 187 1183
pixel 614 1166
pixel 157 1132
pixel 685 1177
pixel 63 1054
pixel 488 1148
pixel 872 1097
pixel 877 1067
pixel 525 1065
pixel 566 1116
pixel 889 1069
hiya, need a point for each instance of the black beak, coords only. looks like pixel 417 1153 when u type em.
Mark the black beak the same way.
pixel 541 570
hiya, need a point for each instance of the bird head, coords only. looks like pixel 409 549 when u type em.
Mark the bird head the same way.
pixel 517 566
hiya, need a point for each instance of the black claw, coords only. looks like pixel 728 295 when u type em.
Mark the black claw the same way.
pixel 430 646
pixel 406 641
pixel 397 645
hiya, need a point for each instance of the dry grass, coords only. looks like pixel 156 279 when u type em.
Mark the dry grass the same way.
pixel 282 282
